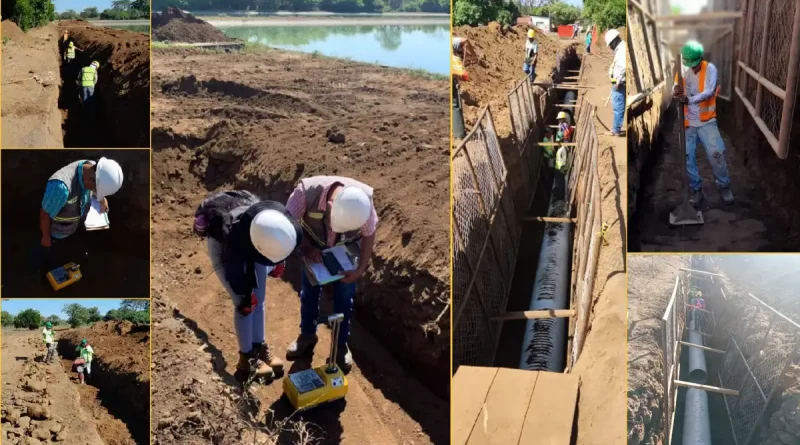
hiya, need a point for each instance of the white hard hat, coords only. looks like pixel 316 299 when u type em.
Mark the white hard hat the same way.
pixel 273 235
pixel 611 34
pixel 108 177
pixel 351 209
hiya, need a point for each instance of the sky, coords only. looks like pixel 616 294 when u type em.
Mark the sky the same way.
pixel 80 5
pixel 53 307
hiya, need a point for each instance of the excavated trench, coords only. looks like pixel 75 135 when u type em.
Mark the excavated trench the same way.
pixel 764 217
pixel 114 262
pixel 513 333
pixel 119 402
pixel 120 116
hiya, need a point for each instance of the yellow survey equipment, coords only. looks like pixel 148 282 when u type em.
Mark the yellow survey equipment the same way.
pixel 65 275
pixel 313 387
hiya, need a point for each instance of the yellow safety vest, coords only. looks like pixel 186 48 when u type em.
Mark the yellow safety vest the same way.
pixel 561 158
pixel 71 52
pixel 88 76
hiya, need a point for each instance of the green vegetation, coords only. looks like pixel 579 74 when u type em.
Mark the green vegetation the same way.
pixel 79 315
pixel 606 14
pixel 120 10
pixel 29 319
pixel 55 319
pixel 29 14
pixel 344 6
pixel 676 10
pixel 481 12
pixel 389 37
pixel 7 319
pixel 135 311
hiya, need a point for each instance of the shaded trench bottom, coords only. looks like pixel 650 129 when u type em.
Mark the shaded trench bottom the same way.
pixel 80 127
pixel 121 396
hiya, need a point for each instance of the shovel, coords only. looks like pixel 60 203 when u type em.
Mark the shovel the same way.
pixel 685 214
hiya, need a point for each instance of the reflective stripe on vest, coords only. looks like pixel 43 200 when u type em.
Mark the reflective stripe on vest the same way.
pixel 88 76
pixel 68 219
pixel 71 53
pixel 561 158
pixel 708 107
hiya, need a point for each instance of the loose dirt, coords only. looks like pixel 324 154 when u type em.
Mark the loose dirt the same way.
pixel 651 280
pixel 45 400
pixel 261 126
pixel 30 88
pixel 173 25
pixel 114 262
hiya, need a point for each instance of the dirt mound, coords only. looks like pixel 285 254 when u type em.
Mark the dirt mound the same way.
pixel 123 87
pixel 173 25
pixel 12 31
pixel 500 52
pixel 120 378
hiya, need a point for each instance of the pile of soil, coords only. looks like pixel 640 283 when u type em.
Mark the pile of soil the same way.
pixel 123 87
pixel 500 50
pixel 12 31
pixel 650 283
pixel 266 125
pixel 174 25
pixel 120 377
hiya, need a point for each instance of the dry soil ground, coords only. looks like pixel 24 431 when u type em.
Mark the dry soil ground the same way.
pixel 259 121
pixel 46 402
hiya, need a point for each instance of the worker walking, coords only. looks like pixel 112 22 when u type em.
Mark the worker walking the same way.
pixel 83 365
pixel 698 94
pixel 67 198
pixel 49 337
pixel 531 55
pixel 589 41
pixel 69 55
pixel 87 80
pixel 617 74
pixel 248 239
pixel 332 211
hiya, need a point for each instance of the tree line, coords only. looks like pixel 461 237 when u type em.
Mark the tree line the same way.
pixel 605 13
pixel 120 10
pixel 348 6
pixel 135 311
pixel 29 14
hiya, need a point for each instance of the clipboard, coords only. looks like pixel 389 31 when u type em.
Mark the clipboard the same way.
pixel 334 259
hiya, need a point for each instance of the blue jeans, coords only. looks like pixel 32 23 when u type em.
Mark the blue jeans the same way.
pixel 529 70
pixel 343 294
pixel 87 95
pixel 709 135
pixel 618 101
pixel 589 48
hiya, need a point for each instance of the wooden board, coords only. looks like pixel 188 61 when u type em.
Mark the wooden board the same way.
pixel 473 384
pixel 501 418
pixel 552 410
pixel 501 406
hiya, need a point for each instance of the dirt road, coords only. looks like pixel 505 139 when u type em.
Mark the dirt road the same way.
pixel 261 121
pixel 31 80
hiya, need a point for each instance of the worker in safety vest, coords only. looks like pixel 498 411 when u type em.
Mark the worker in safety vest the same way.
pixel 461 50
pixel 83 364
pixel 531 55
pixel 565 130
pixel 333 211
pixel 698 94
pixel 69 55
pixel 87 79
pixel 248 240
pixel 616 73
pixel 67 198
pixel 49 338
pixel 549 150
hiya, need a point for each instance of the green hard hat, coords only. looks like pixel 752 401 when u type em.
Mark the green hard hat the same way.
pixel 48 324
pixel 692 53
pixel 84 341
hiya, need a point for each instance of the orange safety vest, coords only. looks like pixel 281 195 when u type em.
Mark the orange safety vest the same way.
pixel 457 66
pixel 708 107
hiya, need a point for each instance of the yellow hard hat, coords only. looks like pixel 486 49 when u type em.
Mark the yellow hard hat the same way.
pixel 71 44
pixel 531 33
pixel 561 115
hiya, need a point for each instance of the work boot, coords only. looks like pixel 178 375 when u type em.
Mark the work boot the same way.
pixel 727 195
pixel 302 346
pixel 250 366
pixel 264 353
pixel 695 197
pixel 344 359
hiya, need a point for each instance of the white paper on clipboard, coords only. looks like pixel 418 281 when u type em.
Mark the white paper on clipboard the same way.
pixel 96 219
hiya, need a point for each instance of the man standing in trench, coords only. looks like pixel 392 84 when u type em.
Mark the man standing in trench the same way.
pixel 49 337
pixel 67 198
pixel 617 75
pixel 87 79
pixel 332 211
pixel 698 94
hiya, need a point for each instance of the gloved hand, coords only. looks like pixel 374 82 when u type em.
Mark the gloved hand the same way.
pixel 278 270
pixel 247 305
pixel 682 99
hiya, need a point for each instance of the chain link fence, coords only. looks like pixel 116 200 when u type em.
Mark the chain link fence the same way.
pixel 762 343
pixel 526 110
pixel 486 235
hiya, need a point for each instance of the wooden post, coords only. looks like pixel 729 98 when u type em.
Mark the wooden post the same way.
pixel 535 315
pixel 716 389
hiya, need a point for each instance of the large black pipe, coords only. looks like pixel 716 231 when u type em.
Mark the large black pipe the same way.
pixel 696 423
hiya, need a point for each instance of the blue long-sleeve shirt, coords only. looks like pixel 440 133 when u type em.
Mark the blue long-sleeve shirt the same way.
pixel 695 96
pixel 56 194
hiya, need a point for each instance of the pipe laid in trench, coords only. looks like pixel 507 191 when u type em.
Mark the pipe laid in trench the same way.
pixel 696 423
pixel 544 344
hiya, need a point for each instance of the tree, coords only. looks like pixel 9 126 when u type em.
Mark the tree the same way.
pixel 69 14
pixel 80 315
pixel 120 5
pixel 55 319
pixel 560 13
pixel 90 13
pixel 7 319
pixel 29 318
pixel 476 12
pixel 676 10
pixel 606 13
pixel 135 305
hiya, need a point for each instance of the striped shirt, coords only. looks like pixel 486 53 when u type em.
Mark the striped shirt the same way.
pixel 296 205
pixel 56 194
pixel 694 94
